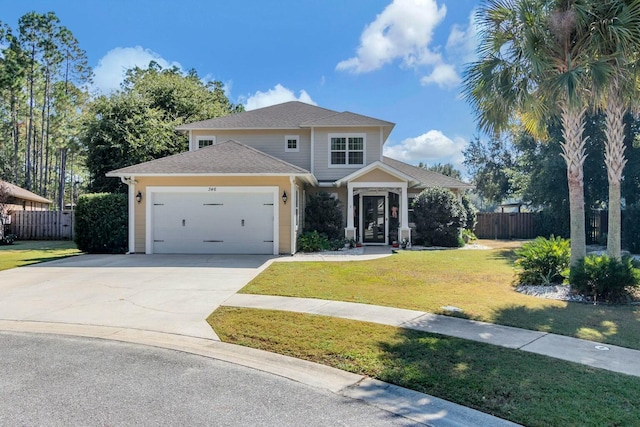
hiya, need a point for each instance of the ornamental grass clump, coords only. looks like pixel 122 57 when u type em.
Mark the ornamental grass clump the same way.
pixel 543 261
pixel 605 278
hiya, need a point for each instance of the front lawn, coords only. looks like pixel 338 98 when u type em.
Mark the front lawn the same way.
pixel 31 252
pixel 477 281
pixel 523 387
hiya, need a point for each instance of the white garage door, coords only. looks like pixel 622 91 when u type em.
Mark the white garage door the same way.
pixel 212 223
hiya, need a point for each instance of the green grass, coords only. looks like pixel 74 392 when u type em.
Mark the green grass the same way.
pixel 31 252
pixel 480 282
pixel 522 387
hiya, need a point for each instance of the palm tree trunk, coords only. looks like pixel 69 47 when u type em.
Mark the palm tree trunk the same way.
pixel 573 152
pixel 615 161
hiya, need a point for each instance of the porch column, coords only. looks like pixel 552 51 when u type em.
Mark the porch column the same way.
pixel 404 232
pixel 350 231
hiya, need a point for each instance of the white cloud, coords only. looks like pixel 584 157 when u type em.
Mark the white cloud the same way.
pixel 429 148
pixel 403 30
pixel 110 71
pixel 277 95
pixel 444 75
pixel 463 41
pixel 459 50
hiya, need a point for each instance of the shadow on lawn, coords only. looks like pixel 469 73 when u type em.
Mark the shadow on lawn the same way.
pixel 508 255
pixel 618 325
pixel 508 383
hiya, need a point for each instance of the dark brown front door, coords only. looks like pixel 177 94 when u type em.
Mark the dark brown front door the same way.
pixel 373 221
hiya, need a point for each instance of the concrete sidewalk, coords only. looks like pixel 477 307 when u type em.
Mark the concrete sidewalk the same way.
pixel 597 355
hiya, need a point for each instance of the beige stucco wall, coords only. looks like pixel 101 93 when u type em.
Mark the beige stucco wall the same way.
pixel 282 182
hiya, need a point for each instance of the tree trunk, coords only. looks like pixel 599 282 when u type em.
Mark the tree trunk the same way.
pixel 15 130
pixel 573 152
pixel 63 173
pixel 43 129
pixel 32 77
pixel 615 161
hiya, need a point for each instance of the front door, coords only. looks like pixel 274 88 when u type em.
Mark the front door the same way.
pixel 373 220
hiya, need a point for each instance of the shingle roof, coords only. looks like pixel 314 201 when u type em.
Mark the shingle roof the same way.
pixel 346 119
pixel 426 178
pixel 230 157
pixel 289 115
pixel 21 193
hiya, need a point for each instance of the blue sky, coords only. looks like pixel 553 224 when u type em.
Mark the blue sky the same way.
pixel 396 60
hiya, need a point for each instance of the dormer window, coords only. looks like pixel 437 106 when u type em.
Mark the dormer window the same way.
pixel 346 150
pixel 205 141
pixel 291 143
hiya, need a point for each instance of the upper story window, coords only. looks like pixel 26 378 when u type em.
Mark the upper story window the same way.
pixel 346 150
pixel 292 143
pixel 205 141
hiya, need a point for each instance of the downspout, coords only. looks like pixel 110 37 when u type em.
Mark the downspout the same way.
pixel 131 182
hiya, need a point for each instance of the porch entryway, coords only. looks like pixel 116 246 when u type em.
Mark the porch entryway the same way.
pixel 377 204
pixel 374 221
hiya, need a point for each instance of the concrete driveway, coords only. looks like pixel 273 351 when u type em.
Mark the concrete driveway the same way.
pixel 165 293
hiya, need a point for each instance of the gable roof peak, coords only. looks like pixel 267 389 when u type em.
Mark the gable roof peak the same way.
pixel 287 115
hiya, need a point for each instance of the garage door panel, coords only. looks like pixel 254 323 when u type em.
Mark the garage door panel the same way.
pixel 216 223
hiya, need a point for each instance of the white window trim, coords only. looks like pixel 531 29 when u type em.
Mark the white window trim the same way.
pixel 201 138
pixel 348 135
pixel 286 143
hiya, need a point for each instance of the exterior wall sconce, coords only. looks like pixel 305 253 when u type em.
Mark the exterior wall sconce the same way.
pixel 139 196
pixel 285 197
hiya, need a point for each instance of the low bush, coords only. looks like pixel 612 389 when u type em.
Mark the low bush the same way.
pixel 312 241
pixel 604 278
pixel 543 261
pixel 101 223
pixel 8 239
pixel 439 218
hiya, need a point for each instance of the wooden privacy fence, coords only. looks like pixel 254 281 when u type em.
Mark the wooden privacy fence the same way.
pixel 497 225
pixel 42 225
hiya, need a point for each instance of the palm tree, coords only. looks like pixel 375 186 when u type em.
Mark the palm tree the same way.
pixel 615 36
pixel 535 64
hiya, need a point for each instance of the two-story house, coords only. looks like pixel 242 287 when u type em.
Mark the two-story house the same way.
pixel 242 186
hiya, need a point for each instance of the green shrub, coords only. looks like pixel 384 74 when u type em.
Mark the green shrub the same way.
pixel 553 222
pixel 439 218
pixel 324 215
pixel 471 212
pixel 631 228
pixel 8 239
pixel 468 236
pixel 604 278
pixel 312 241
pixel 543 261
pixel 101 223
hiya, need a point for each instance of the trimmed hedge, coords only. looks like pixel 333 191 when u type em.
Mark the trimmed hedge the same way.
pixel 101 223
pixel 439 218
